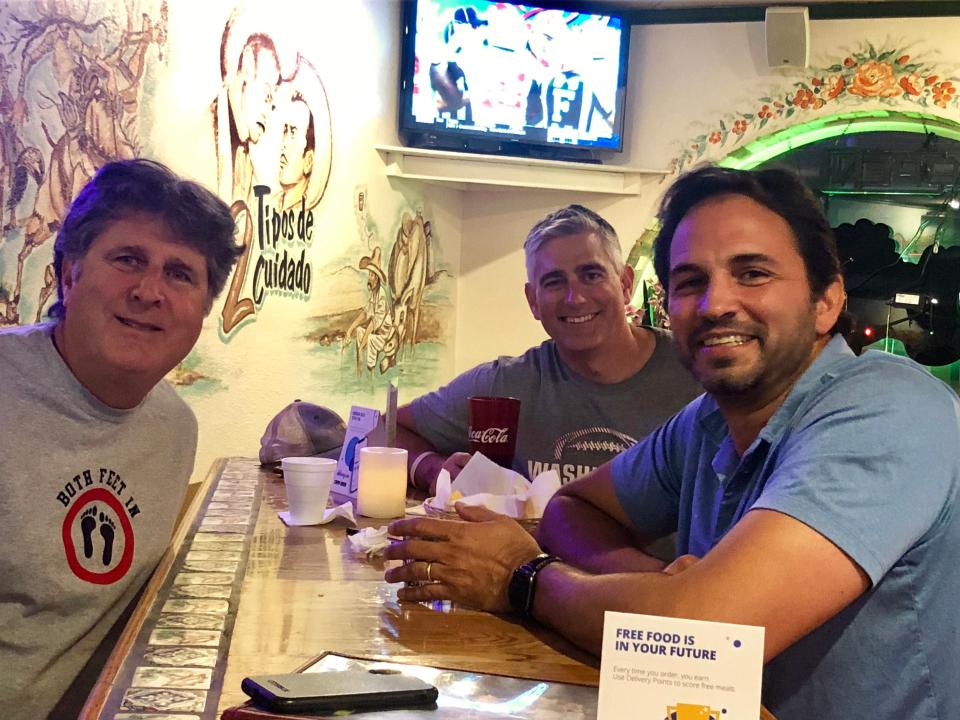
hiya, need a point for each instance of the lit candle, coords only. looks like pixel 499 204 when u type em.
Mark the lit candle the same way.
pixel 382 485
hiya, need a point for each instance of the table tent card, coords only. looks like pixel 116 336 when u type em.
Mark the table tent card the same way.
pixel 365 428
pixel 658 668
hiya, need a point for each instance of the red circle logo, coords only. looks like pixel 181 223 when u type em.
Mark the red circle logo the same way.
pixel 98 536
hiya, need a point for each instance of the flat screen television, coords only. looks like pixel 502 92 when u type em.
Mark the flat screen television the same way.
pixel 518 79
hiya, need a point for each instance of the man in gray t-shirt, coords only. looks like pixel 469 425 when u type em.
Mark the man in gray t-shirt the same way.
pixel 594 389
pixel 95 448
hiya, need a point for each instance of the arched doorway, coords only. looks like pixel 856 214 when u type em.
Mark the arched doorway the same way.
pixel 888 180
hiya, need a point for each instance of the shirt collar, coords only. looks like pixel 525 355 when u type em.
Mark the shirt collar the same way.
pixel 834 354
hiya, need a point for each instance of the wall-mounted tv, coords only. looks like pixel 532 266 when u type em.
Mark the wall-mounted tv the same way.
pixel 503 77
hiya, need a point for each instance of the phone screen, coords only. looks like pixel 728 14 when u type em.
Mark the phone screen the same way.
pixel 338 690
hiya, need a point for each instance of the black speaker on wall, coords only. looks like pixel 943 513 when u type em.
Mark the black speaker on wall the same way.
pixel 788 36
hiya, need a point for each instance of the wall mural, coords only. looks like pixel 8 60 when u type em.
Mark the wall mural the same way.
pixel 272 128
pixel 885 78
pixel 405 303
pixel 70 92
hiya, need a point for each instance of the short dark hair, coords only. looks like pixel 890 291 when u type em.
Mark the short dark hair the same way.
pixel 310 138
pixel 778 190
pixel 573 220
pixel 200 219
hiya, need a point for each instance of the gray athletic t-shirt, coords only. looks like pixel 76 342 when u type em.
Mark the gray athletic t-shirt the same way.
pixel 567 422
pixel 88 498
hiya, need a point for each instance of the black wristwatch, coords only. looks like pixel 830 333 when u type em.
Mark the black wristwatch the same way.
pixel 523 583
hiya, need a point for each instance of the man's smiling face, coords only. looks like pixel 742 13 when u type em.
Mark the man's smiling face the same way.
pixel 743 318
pixel 576 293
pixel 135 302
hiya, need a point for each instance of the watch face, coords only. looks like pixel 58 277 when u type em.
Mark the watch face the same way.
pixel 520 589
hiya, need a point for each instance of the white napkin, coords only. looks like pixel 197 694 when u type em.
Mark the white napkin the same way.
pixel 371 540
pixel 483 482
pixel 344 510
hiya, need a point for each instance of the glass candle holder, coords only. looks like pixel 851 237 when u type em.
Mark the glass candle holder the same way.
pixel 382 482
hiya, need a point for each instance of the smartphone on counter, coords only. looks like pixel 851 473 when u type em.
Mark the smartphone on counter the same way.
pixel 338 690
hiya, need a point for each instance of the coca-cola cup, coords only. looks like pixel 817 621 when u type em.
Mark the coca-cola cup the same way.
pixel 493 427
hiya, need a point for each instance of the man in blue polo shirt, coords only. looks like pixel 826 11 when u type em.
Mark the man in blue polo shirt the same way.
pixel 813 492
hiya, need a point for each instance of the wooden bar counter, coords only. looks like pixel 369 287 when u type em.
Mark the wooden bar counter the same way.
pixel 241 593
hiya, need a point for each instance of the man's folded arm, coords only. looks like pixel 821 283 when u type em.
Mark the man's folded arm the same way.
pixel 585 525
pixel 769 570
pixel 424 463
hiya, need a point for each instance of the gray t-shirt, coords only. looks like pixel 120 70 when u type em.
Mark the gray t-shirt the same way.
pixel 567 422
pixel 88 498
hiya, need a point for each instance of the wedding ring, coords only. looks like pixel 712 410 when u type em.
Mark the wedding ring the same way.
pixel 429 566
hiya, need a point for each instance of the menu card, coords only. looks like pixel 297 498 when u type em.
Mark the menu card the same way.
pixel 361 427
pixel 653 668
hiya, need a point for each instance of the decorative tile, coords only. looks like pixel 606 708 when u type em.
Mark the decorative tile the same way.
pixel 204 540
pixel 172 677
pixel 203 578
pixel 181 656
pixel 201 591
pixel 219 566
pixel 218 505
pixel 193 606
pixel 204 638
pixel 240 513
pixel 211 521
pixel 219 553
pixel 164 700
pixel 219 528
pixel 191 621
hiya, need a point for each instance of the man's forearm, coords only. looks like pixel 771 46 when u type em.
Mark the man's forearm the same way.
pixel 422 467
pixel 589 539
pixel 573 602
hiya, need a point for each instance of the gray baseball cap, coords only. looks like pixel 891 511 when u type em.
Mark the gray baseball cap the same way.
pixel 301 429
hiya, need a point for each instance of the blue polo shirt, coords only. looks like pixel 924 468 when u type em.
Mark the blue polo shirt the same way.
pixel 866 451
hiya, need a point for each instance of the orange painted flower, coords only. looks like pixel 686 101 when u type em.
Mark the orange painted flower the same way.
pixel 764 112
pixel 931 79
pixel 903 60
pixel 912 84
pixel 740 127
pixel 943 93
pixel 835 85
pixel 849 62
pixel 804 98
pixel 875 79
pixel 715 137
pixel 816 82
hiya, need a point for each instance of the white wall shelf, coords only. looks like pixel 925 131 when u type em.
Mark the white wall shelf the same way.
pixel 463 170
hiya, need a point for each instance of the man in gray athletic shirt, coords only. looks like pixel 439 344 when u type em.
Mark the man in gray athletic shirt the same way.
pixel 96 449
pixel 595 388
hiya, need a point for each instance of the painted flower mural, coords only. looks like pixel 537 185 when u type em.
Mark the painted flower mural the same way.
pixel 888 76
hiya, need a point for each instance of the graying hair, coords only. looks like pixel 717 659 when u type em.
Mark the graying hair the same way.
pixel 572 220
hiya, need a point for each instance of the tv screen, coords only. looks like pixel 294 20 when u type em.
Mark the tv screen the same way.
pixel 515 78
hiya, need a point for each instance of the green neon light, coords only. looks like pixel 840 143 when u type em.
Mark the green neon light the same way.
pixel 907 193
pixel 766 148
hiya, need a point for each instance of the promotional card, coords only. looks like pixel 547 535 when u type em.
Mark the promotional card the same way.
pixel 362 429
pixel 659 668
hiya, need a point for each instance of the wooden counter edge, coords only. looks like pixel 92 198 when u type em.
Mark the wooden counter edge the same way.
pixel 105 682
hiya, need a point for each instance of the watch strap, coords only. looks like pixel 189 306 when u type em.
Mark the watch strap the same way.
pixel 523 583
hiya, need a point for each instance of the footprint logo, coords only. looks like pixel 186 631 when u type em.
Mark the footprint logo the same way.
pixel 98 539
pixel 90 520
pixel 107 532
pixel 88 523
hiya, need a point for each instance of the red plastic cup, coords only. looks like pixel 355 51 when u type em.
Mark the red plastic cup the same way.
pixel 493 427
